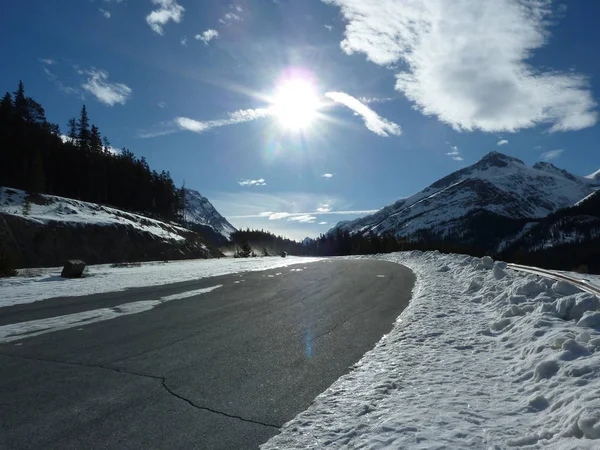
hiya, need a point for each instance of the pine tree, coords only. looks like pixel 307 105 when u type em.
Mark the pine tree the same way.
pixel 83 128
pixel 106 144
pixel 72 130
pixel 6 105
pixel 20 102
pixel 35 112
pixel 95 140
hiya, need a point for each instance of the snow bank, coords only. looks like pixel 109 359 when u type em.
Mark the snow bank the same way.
pixel 47 283
pixel 483 357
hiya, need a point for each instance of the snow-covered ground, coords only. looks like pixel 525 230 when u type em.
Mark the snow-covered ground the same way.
pixel 40 284
pixel 75 212
pixel 483 357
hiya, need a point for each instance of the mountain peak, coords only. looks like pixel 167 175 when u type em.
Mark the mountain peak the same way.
pixel 499 159
pixel 200 211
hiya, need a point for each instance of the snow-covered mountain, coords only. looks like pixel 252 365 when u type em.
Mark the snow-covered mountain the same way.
pixel 497 185
pixel 594 176
pixel 199 211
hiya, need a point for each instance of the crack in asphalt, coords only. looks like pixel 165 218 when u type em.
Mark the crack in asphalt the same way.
pixel 163 381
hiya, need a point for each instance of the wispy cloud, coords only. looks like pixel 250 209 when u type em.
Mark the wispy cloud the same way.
pixel 259 182
pixel 372 120
pixel 455 154
pixel 107 93
pixel 287 215
pixel 502 142
pixel 47 61
pixel 161 104
pixel 469 62
pixel 196 126
pixel 552 154
pixel 207 36
pixel 327 175
pixel 232 16
pixel 329 27
pixel 183 41
pixel 69 90
pixel 305 218
pixel 323 223
pixel 105 13
pixel 167 10
pixel 369 100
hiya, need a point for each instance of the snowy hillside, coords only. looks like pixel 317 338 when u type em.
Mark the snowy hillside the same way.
pixel 483 357
pixel 198 210
pixel 51 208
pixel 46 230
pixel 498 184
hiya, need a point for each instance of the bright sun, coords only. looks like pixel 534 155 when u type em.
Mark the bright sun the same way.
pixel 295 104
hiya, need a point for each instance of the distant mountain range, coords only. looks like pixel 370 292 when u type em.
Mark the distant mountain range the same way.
pixel 202 216
pixel 487 205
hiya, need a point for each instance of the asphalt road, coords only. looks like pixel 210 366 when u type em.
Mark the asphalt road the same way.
pixel 222 370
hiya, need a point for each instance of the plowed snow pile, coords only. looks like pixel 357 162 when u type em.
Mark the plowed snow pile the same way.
pixel 483 357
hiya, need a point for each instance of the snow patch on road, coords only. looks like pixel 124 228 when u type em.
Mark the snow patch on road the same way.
pixel 22 330
pixel 483 357
pixel 41 284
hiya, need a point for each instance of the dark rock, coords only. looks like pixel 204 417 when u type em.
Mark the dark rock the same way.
pixel 73 269
pixel 283 254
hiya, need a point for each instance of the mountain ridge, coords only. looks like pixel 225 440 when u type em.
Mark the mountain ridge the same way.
pixel 497 184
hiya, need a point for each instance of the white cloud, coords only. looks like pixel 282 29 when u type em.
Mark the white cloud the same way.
pixel 229 18
pixel 552 154
pixel 327 175
pixel 107 93
pixel 259 182
pixel 286 215
pixel 467 61
pixel 191 125
pixel 373 122
pixel 455 154
pixel 502 142
pixel 183 41
pixel 187 124
pixel 207 36
pixel 167 10
pixel 322 223
pixel 105 13
pixel 329 27
pixel 305 218
pixel 47 61
pixel 324 208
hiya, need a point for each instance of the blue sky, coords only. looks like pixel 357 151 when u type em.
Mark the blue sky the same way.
pixel 252 103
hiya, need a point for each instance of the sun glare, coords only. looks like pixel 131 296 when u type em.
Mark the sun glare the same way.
pixel 295 104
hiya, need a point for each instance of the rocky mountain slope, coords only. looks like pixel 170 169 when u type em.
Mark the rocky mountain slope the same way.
pixel 568 239
pixel 45 230
pixel 481 205
pixel 202 216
